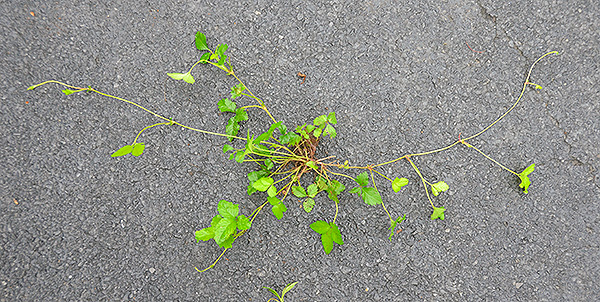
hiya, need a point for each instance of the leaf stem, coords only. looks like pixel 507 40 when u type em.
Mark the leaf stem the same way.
pixel 493 160
pixel 212 265
pixel 146 128
pixel 422 179
pixel 382 203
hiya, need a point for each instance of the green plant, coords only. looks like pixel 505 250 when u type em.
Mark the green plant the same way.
pixel 283 292
pixel 283 156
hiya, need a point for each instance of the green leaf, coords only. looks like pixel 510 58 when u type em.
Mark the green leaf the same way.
pixel 122 151
pixel 243 223
pixel 334 189
pixel 371 196
pixel 176 76
pixel 272 191
pixel 228 209
pixel 215 220
pixel 254 176
pixel 438 213
pixel 336 235
pixel 290 138
pixel 273 200
pixel 227 148
pixel 318 132
pixel 225 105
pixel 287 289
pixel 320 120
pixel 188 78
pixel 392 227
pixel 204 58
pixel 299 191
pixel 239 156
pixel 320 226
pixel 201 41
pixel 222 60
pixel 331 118
pixel 214 56
pixel 221 49
pixel 138 149
pixel 263 183
pixel 331 131
pixel 227 243
pixel 310 128
pixel 398 183
pixel 308 205
pixel 362 179
pixel 232 128
pixel 525 182
pixel 68 91
pixel 439 187
pixel 327 242
pixel 356 190
pixel 205 234
pixel 273 292
pixel 224 229
pixel 241 115
pixel 282 129
pixel 312 164
pixel 278 210
pixel 237 90
pixel 312 190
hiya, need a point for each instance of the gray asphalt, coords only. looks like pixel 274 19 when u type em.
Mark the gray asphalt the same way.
pixel 78 225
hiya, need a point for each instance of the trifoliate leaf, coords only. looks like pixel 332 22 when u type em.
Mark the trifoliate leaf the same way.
pixel 299 191
pixel 227 148
pixel 68 91
pixel 308 205
pixel 272 191
pixel 371 196
pixel 138 149
pixel 398 183
pixel 224 229
pixel 278 210
pixel 439 187
pixel 320 226
pixel 122 151
pixel 363 179
pixel 320 120
pixel 188 78
pixel 336 235
pixel 228 209
pixel 225 105
pixel 330 130
pixel 204 58
pixel 438 213
pixel 525 182
pixel 331 118
pixel 312 190
pixel 241 115
pixel 243 223
pixel 201 41
pixel 205 234
pixel 176 76
pixel 263 183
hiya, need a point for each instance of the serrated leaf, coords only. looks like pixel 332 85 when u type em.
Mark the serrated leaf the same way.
pixel 317 132
pixel 337 186
pixel 272 191
pixel 310 128
pixel 263 183
pixel 362 179
pixel 204 58
pixel 227 243
pixel 308 205
pixel 201 41
pixel 287 289
pixel 290 138
pixel 232 128
pixel 176 76
pixel 331 118
pixel 327 242
pixel 398 183
pixel 321 183
pixel 188 78
pixel 68 91
pixel 269 164
pixel 215 220
pixel 205 234
pixel 243 223
pixel 312 190
pixel 331 131
pixel 237 90
pixel 278 210
pixel 241 115
pixel 320 120
pixel 221 49
pixel 227 148
pixel 228 209
pixel 239 156
pixel 122 151
pixel 224 229
pixel 320 226
pixel 438 213
pixel 312 164
pixel 356 190
pixel 225 105
pixel 282 129
pixel 371 196
pixel 336 235
pixel 299 191
pixel 439 187
pixel 222 60
pixel 273 200
pixel 138 149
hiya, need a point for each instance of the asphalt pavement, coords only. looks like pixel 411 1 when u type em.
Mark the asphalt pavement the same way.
pixel 402 77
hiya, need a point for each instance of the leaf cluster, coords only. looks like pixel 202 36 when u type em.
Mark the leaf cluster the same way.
pixel 223 225
pixel 369 195
pixel 330 233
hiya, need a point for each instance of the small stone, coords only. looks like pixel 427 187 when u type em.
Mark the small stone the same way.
pixel 152 270
pixel 518 285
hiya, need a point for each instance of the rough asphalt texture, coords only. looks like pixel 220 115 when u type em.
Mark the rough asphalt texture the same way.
pixel 78 225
